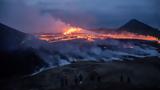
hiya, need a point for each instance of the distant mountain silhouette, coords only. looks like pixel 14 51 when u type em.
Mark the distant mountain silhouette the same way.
pixel 15 61
pixel 138 27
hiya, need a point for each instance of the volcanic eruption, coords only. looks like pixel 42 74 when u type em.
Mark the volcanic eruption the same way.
pixel 72 30
pixel 80 33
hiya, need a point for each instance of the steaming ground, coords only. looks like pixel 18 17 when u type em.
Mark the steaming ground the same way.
pixel 106 50
pixel 65 52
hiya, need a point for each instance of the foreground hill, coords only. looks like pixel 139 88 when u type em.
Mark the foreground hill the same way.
pixel 17 58
pixel 141 73
pixel 10 38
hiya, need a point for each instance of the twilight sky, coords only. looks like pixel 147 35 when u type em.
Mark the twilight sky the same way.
pixel 54 15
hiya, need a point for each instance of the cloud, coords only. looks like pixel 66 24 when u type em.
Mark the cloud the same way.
pixel 102 13
pixel 28 18
pixel 49 15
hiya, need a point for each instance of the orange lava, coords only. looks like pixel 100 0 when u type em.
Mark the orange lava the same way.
pixel 72 30
pixel 79 33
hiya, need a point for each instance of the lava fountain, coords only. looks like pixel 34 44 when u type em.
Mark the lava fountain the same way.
pixel 72 30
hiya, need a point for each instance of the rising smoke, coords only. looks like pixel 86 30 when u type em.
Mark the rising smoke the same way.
pixel 28 18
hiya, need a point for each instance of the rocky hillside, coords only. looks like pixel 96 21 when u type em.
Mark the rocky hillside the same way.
pixel 17 58
pixel 10 38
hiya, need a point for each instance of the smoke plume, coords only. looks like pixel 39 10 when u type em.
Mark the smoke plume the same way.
pixel 28 18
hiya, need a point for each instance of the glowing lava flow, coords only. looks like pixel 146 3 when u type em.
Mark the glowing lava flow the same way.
pixel 72 30
pixel 78 33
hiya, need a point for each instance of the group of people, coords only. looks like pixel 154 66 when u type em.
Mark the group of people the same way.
pixel 126 79
pixel 92 77
pixel 64 80
pixel 79 79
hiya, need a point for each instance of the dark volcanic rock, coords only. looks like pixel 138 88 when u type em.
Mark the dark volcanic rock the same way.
pixel 138 27
pixel 15 61
pixel 10 38
pixel 19 63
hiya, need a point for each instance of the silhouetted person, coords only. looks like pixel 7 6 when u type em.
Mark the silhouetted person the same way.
pixel 95 77
pixel 76 80
pixel 65 80
pixel 128 80
pixel 121 78
pixel 92 76
pixel 99 78
pixel 62 81
pixel 80 78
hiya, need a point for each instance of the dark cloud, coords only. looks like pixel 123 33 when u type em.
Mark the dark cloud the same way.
pixel 38 14
pixel 104 13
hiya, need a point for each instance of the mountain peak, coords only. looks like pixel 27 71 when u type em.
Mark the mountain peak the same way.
pixel 134 20
pixel 135 24
pixel 138 27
